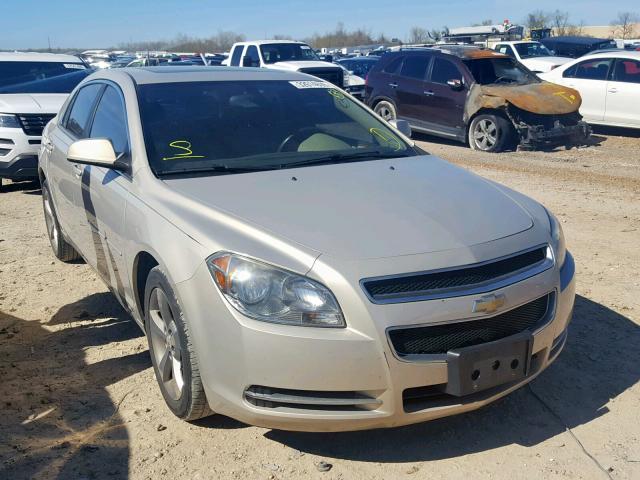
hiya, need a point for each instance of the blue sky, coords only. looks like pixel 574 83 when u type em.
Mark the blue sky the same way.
pixel 103 23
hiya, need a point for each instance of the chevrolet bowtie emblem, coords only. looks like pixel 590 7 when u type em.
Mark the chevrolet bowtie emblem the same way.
pixel 488 303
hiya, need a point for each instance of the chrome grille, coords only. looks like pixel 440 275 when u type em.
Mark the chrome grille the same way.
pixel 439 339
pixel 465 280
pixel 33 124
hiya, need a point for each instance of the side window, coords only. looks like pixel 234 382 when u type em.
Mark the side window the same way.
pixel 444 70
pixel 252 53
pixel 505 49
pixel 627 70
pixel 110 120
pixel 595 69
pixel 393 65
pixel 235 55
pixel 415 67
pixel 78 118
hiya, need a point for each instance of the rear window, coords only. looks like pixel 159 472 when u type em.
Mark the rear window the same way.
pixel 35 77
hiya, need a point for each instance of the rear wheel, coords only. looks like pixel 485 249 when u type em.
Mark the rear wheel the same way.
pixel 172 352
pixel 386 110
pixel 490 133
pixel 61 248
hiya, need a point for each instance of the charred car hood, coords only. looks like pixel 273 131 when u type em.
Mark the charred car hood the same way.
pixel 364 209
pixel 542 98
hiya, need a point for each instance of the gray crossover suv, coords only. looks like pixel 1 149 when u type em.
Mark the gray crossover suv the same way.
pixel 295 261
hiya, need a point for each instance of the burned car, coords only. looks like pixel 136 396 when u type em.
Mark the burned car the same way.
pixel 475 95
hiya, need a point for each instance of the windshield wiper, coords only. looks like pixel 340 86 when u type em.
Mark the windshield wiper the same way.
pixel 344 157
pixel 214 169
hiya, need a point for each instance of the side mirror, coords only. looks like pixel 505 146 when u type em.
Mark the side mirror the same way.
pixel 455 84
pixel 402 126
pixel 94 151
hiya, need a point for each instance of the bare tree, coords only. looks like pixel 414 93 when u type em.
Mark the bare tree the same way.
pixel 418 35
pixel 560 22
pixel 577 30
pixel 624 25
pixel 483 23
pixel 537 19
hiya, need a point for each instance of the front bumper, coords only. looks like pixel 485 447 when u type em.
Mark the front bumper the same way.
pixel 537 135
pixel 18 154
pixel 246 364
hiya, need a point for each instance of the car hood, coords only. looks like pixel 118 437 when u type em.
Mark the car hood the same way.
pixel 543 98
pixel 31 103
pixel 295 66
pixel 544 64
pixel 364 209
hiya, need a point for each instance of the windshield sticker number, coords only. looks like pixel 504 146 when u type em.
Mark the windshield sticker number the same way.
pixel 310 84
pixel 77 66
pixel 184 147
pixel 386 138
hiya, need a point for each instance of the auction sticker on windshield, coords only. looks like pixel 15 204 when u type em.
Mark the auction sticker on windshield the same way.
pixel 310 84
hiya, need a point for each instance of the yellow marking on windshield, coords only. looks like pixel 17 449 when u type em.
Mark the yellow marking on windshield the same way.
pixel 387 138
pixel 185 146
pixel 343 101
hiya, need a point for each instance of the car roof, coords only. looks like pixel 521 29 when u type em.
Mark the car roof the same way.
pixel 464 52
pixel 253 42
pixel 576 40
pixel 517 42
pixel 358 59
pixel 37 57
pixel 196 73
pixel 619 53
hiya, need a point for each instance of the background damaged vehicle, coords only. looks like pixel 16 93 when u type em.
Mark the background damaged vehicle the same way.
pixel 295 261
pixel 475 95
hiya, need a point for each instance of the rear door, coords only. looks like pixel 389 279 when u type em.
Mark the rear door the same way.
pixel 64 176
pixel 589 77
pixel 104 194
pixel 445 104
pixel 623 93
pixel 410 90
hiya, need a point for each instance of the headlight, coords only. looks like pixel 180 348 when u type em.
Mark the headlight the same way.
pixel 270 294
pixel 9 121
pixel 557 239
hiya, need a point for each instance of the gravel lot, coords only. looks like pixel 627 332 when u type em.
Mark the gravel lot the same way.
pixel 79 399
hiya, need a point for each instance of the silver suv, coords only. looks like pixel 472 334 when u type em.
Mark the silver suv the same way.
pixel 33 87
pixel 295 261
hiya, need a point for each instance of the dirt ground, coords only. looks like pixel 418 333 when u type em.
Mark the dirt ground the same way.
pixel 79 401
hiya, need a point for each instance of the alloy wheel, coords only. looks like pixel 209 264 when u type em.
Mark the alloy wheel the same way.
pixel 166 343
pixel 485 134
pixel 385 112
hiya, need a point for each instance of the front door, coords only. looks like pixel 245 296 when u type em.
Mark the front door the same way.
pixel 590 79
pixel 623 93
pixel 446 103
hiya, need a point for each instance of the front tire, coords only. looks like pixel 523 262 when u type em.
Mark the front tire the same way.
pixel 61 248
pixel 172 352
pixel 490 133
pixel 386 110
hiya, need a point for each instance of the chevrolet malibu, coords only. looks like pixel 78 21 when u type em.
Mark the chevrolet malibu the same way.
pixel 296 261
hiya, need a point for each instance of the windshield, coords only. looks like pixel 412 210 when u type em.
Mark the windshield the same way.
pixel 286 52
pixel 488 71
pixel 34 77
pixel 59 84
pixel 533 49
pixel 258 125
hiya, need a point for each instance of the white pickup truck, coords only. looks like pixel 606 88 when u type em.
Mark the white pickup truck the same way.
pixel 533 55
pixel 286 55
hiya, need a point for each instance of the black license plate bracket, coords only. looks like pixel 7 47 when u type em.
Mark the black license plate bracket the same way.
pixel 480 367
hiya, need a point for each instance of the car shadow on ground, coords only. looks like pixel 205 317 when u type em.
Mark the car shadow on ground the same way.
pixel 600 361
pixel 57 418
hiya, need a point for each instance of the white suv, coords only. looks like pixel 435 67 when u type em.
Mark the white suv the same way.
pixel 533 55
pixel 286 55
pixel 33 87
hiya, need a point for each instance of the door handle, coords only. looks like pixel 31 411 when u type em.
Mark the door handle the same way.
pixel 77 170
pixel 613 90
pixel 48 146
pixel 393 85
pixel 429 93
